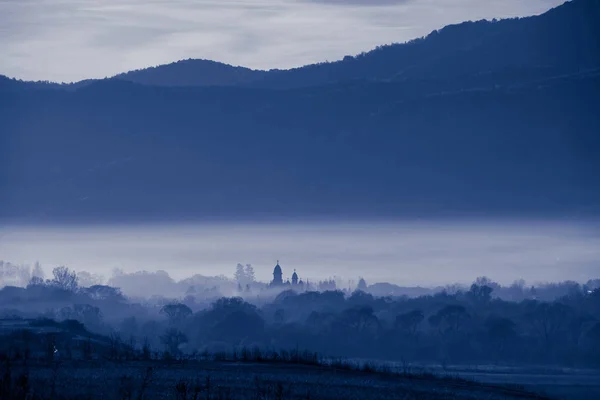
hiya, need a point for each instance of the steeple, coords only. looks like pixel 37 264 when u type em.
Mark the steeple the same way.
pixel 277 275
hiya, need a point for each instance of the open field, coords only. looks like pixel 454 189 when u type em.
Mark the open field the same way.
pixel 236 380
pixel 564 386
pixel 555 382
pixel 561 383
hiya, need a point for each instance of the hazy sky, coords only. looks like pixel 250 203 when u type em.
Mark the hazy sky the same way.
pixel 408 253
pixel 66 40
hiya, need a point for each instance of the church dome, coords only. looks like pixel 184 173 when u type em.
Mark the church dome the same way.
pixel 277 275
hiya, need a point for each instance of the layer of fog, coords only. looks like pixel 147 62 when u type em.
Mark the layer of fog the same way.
pixel 405 253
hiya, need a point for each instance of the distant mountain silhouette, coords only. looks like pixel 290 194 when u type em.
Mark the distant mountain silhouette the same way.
pixel 564 39
pixel 497 131
pixel 11 84
pixel 193 73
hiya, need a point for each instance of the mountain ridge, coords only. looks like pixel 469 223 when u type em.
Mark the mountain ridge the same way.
pixel 409 60
pixel 517 139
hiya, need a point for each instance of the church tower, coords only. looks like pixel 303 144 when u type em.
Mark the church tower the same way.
pixel 277 276
pixel 295 278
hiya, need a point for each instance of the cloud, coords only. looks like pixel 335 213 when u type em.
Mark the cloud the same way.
pixel 66 40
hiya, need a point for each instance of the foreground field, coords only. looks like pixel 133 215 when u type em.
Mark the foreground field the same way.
pixel 235 380
pixel 558 383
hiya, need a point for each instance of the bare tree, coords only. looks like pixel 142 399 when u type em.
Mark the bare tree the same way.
pixel 547 319
pixel 172 339
pixel 449 319
pixel 65 279
pixel 409 322
pixel 176 313
pixel 500 331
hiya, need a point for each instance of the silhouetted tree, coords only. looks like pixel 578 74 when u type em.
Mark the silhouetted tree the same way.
pixel 249 271
pixel 449 319
pixel 35 281
pixel 547 319
pixel 103 292
pixel 176 313
pixel 500 330
pixel 480 294
pixel 592 342
pixel 172 339
pixel 37 271
pixel 408 323
pixel 360 319
pixel 88 315
pixel 240 275
pixel 65 279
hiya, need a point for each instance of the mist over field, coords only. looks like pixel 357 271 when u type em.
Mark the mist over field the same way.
pixel 404 302
pixel 424 253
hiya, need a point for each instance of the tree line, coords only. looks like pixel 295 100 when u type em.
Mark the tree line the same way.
pixel 462 326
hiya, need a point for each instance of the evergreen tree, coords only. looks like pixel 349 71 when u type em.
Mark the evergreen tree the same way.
pixel 37 271
pixel 240 275
pixel 250 273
